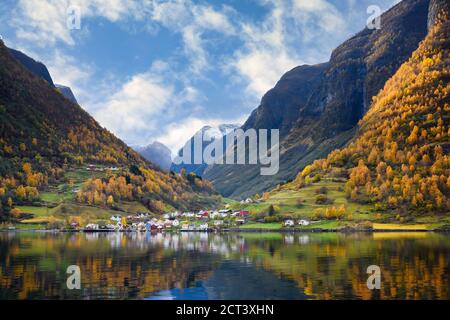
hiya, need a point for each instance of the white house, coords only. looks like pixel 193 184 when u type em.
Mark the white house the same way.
pixel 116 218
pixel 175 223
pixel 214 215
pixel 218 223
pixel 203 227
pixel 92 226
pixel 304 223
pixel 289 223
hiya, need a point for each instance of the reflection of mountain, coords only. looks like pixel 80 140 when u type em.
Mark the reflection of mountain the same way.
pixel 235 280
pixel 231 266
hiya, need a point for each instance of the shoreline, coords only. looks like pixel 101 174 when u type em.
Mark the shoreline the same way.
pixel 237 230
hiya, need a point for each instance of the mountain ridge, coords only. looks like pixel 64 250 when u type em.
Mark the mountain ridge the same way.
pixel 399 159
pixel 43 135
pixel 318 107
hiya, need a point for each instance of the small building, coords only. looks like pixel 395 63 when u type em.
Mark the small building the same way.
pixel 116 218
pixel 240 221
pixel 92 226
pixel 214 214
pixel 244 213
pixel 205 215
pixel 289 223
pixel 175 223
pixel 304 223
pixel 218 223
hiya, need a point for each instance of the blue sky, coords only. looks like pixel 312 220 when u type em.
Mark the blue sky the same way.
pixel 160 70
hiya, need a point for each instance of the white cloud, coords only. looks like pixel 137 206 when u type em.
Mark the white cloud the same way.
pixel 192 21
pixel 45 21
pixel 271 47
pixel 140 108
pixel 67 71
pixel 266 55
pixel 132 110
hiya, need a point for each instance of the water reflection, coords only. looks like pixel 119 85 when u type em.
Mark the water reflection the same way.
pixel 228 266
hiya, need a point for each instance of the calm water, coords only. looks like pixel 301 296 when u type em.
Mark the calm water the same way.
pixel 230 266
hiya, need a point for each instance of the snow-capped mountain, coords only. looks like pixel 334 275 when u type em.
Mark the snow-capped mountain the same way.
pixel 157 153
pixel 210 134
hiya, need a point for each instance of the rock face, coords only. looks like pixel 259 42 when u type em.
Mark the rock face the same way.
pixel 316 108
pixel 67 92
pixel 210 135
pixel 158 154
pixel 37 68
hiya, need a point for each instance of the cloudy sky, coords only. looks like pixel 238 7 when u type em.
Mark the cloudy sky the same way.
pixel 160 70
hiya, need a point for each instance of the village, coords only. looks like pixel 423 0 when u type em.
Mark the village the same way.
pixel 201 221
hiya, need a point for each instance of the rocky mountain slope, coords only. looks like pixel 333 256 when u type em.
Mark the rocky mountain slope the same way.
pixel 400 159
pixel 318 107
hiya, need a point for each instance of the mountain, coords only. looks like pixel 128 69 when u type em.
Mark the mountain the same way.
pixel 317 107
pixel 38 68
pixel 66 92
pixel 399 159
pixel 209 134
pixel 158 154
pixel 43 134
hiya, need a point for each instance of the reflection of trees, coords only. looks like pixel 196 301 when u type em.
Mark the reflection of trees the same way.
pixel 334 266
pixel 114 265
pixel 121 265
